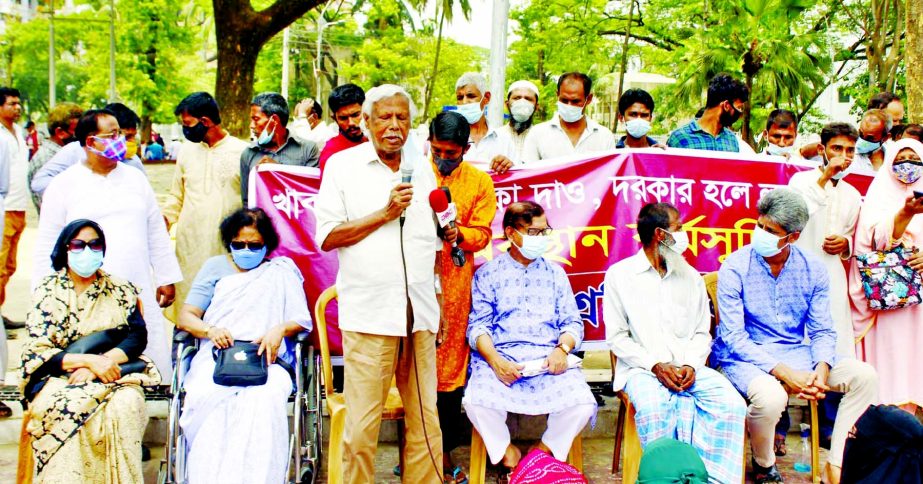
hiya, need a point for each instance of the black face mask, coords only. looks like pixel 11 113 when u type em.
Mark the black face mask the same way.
pixel 727 119
pixel 196 133
pixel 447 166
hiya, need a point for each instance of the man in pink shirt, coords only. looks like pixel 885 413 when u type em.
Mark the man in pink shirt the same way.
pixel 345 104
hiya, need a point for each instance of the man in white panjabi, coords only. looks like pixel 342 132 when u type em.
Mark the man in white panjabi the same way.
pixel 834 206
pixel 206 187
pixel 120 199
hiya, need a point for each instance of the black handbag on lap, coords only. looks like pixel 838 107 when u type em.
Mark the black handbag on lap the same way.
pixel 239 365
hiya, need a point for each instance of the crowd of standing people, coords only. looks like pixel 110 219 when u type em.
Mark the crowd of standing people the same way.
pixel 796 316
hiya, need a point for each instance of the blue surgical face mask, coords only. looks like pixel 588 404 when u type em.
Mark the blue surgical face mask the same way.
pixel 764 243
pixel 533 246
pixel 839 176
pixel 265 136
pixel 471 111
pixel 569 113
pixel 247 259
pixel 85 262
pixel 637 128
pixel 865 147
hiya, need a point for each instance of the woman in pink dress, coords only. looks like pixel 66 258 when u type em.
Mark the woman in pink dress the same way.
pixel 891 216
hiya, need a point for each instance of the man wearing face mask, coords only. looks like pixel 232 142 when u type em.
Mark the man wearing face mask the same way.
pixel 833 206
pixel 62 120
pixel 485 144
pixel 662 348
pixel 122 202
pixel 73 153
pixel 776 336
pixel 874 132
pixel 205 189
pixel 523 311
pixel 274 143
pixel 345 103
pixel 570 131
pixel 636 111
pixel 724 105
pixel 472 193
pixel 781 133
pixel 521 102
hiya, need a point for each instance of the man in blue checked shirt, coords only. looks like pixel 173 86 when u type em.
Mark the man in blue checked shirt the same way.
pixel 776 334
pixel 723 107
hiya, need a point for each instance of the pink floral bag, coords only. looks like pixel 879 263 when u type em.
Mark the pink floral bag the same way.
pixel 887 279
pixel 537 467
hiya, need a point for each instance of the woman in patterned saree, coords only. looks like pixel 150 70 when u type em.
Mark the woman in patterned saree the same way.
pixel 891 217
pixel 83 369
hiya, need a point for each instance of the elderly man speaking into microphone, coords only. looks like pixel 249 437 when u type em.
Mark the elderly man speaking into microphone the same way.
pixel 373 209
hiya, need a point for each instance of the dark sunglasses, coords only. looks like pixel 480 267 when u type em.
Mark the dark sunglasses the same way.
pixel 235 245
pixel 78 245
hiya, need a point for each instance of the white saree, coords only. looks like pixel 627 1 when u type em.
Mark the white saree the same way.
pixel 239 434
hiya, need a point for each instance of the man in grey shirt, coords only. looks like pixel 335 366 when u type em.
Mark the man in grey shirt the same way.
pixel 274 143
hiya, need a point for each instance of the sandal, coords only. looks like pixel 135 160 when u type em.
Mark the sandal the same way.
pixel 454 479
pixel 778 445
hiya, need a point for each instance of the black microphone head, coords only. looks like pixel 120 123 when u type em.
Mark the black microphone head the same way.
pixel 448 194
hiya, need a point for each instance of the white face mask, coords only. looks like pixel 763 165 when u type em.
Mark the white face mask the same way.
pixel 637 128
pixel 521 110
pixel 471 111
pixel 570 114
pixel 680 241
pixel 776 150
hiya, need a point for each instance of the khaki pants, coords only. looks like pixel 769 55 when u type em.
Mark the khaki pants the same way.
pixel 855 379
pixel 13 225
pixel 370 362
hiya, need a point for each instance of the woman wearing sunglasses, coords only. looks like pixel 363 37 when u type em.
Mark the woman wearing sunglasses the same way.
pixel 240 433
pixel 82 367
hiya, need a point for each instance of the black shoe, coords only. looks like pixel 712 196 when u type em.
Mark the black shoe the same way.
pixel 824 442
pixel 5 410
pixel 10 324
pixel 145 453
pixel 766 475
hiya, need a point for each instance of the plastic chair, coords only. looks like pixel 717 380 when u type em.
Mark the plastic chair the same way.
pixel 477 468
pixel 336 403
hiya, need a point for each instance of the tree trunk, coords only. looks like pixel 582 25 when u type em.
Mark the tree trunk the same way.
pixel 914 60
pixel 234 89
pixel 430 84
pixel 147 107
pixel 745 131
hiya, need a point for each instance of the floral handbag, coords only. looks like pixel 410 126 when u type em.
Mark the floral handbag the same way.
pixel 888 280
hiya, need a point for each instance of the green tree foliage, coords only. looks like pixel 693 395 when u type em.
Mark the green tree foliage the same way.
pixel 393 53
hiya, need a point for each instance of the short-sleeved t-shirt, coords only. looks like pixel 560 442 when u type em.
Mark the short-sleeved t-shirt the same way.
pixel 203 287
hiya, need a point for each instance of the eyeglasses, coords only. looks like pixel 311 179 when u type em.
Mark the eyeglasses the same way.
pixel 237 245
pixel 536 232
pixel 78 245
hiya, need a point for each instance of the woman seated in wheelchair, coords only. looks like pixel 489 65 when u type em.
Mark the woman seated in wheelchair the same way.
pixel 242 306
pixel 82 367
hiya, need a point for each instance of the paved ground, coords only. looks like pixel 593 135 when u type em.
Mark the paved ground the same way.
pixel 597 451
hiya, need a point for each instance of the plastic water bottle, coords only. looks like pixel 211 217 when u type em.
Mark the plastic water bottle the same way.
pixel 803 464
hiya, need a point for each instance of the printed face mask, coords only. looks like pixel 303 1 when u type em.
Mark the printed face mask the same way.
pixel 115 148
pixel 907 172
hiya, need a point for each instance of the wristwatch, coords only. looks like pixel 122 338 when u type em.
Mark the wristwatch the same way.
pixel 564 347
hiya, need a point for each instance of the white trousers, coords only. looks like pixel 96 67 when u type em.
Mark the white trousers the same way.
pixel 562 428
pixel 855 379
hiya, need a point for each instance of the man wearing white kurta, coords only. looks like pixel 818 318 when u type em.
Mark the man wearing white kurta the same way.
pixel 833 205
pixel 358 208
pixel 657 325
pixel 120 199
pixel 206 188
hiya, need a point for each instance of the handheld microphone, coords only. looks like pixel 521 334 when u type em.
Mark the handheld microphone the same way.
pixel 445 214
pixel 406 175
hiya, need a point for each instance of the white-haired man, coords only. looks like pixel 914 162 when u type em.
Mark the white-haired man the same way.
pixel 776 336
pixel 484 143
pixel 662 347
pixel 388 311
pixel 522 103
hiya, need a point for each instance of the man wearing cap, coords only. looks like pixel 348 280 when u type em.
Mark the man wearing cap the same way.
pixel 522 103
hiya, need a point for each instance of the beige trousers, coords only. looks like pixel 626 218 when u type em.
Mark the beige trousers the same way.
pixel 370 362
pixel 855 379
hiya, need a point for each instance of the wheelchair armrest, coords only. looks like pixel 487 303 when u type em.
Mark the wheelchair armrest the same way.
pixel 303 336
pixel 183 337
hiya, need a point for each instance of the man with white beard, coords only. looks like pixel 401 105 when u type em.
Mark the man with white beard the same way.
pixel 657 325
pixel 522 103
